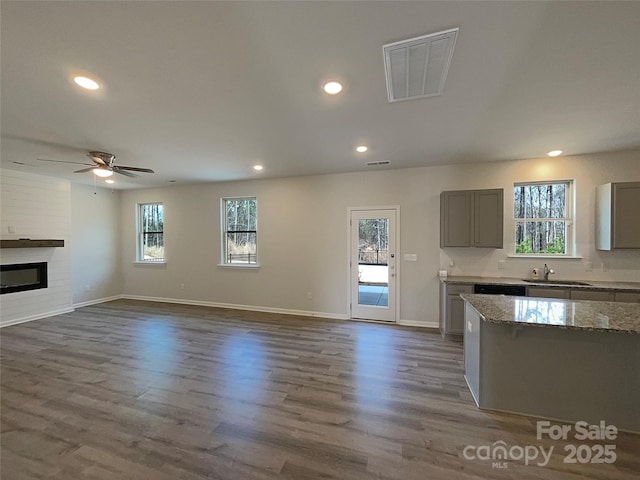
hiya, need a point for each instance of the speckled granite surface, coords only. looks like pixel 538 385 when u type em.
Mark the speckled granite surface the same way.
pixel 557 313
pixel 593 285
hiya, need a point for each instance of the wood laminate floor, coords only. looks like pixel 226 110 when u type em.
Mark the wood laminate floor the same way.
pixel 137 390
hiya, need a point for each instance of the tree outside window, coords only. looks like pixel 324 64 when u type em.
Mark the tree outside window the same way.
pixel 151 232
pixel 542 218
pixel 239 235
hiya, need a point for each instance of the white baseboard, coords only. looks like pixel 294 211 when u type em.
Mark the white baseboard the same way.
pixel 98 300
pixel 252 308
pixel 417 323
pixel 31 318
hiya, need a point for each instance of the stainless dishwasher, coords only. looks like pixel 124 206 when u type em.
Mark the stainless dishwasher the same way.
pixel 489 289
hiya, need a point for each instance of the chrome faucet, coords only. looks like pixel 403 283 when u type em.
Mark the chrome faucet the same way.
pixel 546 272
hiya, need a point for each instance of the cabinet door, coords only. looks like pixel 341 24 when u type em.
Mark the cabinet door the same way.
pixel 456 218
pixel 626 226
pixel 455 315
pixel 630 297
pixel 488 218
pixel 580 294
pixel 547 292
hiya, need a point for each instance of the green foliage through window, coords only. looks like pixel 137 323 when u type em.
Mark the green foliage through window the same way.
pixel 542 220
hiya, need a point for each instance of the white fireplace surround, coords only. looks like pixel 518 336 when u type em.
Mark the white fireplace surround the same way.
pixel 35 206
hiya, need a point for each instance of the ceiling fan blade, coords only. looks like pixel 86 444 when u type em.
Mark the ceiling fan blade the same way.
pixel 84 170
pixel 123 172
pixel 26 164
pixel 135 169
pixel 60 161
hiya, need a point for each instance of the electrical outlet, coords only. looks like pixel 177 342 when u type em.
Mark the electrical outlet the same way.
pixel 87 288
pixel 309 296
pixel 12 229
pixel 501 264
pixel 588 266
pixel 182 286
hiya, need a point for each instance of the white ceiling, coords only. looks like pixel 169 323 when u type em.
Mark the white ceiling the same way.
pixel 201 91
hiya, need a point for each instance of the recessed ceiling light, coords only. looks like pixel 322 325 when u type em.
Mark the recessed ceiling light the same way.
pixel 101 172
pixel 110 181
pixel 258 168
pixel 554 153
pixel 332 87
pixel 86 82
pixel 361 148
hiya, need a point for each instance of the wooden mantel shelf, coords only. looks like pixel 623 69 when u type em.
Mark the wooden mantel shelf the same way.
pixel 28 243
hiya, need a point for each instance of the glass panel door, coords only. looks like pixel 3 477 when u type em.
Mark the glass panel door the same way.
pixel 373 274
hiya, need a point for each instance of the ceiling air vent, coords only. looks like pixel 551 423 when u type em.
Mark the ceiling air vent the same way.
pixel 376 164
pixel 417 67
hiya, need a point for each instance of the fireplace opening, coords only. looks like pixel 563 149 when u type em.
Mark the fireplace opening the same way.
pixel 21 277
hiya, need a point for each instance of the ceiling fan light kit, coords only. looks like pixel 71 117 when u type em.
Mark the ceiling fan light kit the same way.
pixel 102 172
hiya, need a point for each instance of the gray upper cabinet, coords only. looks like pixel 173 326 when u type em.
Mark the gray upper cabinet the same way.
pixel 456 219
pixel 617 224
pixel 488 218
pixel 472 218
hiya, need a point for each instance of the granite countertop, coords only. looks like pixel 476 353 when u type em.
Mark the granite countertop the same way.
pixel 557 313
pixel 631 287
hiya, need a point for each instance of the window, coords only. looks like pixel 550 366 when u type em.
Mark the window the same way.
pixel 150 232
pixel 543 222
pixel 239 231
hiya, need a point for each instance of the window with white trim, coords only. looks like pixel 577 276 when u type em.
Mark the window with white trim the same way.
pixel 150 232
pixel 543 218
pixel 239 231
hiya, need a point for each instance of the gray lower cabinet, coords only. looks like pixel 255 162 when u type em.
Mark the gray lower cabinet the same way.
pixel 629 297
pixel 472 218
pixel 548 292
pixel 452 308
pixel 599 295
pixel 617 224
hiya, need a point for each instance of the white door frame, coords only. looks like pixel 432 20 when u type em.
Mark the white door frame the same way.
pixel 397 266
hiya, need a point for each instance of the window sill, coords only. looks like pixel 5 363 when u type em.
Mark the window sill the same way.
pixel 238 265
pixel 555 257
pixel 138 262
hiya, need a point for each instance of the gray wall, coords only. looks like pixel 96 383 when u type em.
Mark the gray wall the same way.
pixel 303 235
pixel 95 243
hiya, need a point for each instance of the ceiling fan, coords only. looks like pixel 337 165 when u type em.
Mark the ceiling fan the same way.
pixel 103 165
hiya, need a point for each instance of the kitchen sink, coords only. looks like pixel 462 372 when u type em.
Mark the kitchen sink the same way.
pixel 557 282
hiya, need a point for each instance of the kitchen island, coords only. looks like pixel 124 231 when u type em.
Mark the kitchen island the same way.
pixel 567 360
